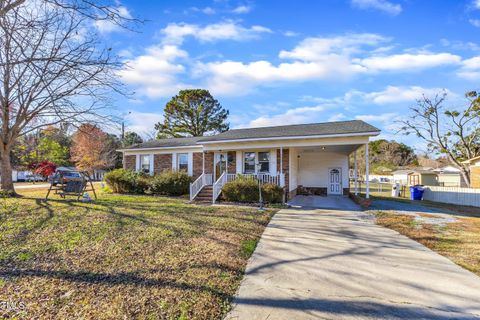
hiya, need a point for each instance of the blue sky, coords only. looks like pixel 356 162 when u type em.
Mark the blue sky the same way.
pixel 286 62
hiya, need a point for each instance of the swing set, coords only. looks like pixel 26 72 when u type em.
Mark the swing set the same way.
pixel 69 182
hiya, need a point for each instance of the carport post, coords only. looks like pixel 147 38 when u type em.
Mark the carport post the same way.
pixel 355 171
pixel 367 183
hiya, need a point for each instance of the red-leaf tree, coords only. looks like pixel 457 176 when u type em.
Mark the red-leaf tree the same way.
pixel 89 148
pixel 44 168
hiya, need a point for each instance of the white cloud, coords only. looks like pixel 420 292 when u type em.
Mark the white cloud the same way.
pixel 393 94
pixel 408 61
pixel 242 9
pixel 470 69
pixel 475 22
pixel 142 123
pixel 476 4
pixel 107 26
pixel 382 5
pixel 337 117
pixel 290 33
pixel 315 49
pixel 208 10
pixel 291 116
pixel 155 72
pixel 174 33
pixel 329 58
pixel 377 117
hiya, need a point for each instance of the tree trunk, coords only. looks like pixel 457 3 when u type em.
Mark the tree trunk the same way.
pixel 465 173
pixel 6 172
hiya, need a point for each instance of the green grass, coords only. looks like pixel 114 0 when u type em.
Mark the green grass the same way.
pixel 248 247
pixel 123 256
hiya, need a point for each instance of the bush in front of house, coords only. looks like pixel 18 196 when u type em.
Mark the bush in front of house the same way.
pixel 122 181
pixel 171 183
pixel 246 190
pixel 272 193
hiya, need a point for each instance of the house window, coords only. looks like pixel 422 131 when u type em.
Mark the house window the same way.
pixel 145 163
pixel 264 161
pixel 182 162
pixel 249 162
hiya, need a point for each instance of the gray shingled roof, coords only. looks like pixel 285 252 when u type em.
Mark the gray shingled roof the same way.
pixel 312 129
pixel 166 143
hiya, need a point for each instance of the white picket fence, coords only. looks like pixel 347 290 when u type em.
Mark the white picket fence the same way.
pixel 454 195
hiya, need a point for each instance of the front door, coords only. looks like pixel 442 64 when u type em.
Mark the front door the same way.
pixel 335 186
pixel 220 164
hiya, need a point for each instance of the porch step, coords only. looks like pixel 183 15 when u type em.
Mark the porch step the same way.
pixel 205 195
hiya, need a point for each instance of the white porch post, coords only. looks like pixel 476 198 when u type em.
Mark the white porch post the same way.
pixel 355 171
pixel 281 160
pixel 282 180
pixel 367 183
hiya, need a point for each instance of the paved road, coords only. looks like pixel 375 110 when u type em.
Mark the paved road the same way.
pixel 330 264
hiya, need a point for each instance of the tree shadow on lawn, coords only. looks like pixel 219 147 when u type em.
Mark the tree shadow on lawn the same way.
pixel 121 278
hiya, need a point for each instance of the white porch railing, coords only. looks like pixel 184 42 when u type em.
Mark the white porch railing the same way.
pixel 278 179
pixel 205 179
pixel 218 185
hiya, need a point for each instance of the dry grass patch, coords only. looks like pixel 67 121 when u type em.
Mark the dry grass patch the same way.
pixel 460 241
pixel 123 257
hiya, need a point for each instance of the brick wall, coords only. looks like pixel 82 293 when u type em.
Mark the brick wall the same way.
pixel 285 168
pixel 197 164
pixel 129 162
pixel 232 162
pixel 162 162
pixel 209 162
pixel 475 176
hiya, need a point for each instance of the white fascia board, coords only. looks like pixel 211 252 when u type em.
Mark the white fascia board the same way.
pixel 374 133
pixel 161 149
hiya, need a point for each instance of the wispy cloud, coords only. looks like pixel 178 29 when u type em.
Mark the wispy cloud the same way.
pixel 242 9
pixel 107 26
pixel 175 33
pixel 381 5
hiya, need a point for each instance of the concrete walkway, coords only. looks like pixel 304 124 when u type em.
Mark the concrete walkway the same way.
pixel 330 264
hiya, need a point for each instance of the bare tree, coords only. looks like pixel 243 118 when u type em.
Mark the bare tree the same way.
pixel 53 69
pixel 447 131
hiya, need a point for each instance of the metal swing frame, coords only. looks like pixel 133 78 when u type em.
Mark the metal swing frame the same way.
pixel 73 186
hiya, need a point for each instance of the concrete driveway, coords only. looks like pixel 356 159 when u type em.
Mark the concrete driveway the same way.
pixel 331 264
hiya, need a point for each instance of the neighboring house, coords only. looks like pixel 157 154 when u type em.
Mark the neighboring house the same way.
pixel 474 164
pixel 423 177
pixel 307 157
pixel 449 176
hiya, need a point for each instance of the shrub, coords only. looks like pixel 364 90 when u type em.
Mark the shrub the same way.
pixel 122 181
pixel 143 183
pixel 246 190
pixel 272 193
pixel 171 183
pixel 241 190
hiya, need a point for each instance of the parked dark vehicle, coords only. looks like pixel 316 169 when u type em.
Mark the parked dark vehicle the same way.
pixel 64 177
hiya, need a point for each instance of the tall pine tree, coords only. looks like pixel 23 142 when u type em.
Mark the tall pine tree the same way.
pixel 192 112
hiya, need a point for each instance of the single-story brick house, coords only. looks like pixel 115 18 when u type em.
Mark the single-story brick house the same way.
pixel 313 158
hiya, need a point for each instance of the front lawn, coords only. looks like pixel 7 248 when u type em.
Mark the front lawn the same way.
pixel 458 241
pixel 122 257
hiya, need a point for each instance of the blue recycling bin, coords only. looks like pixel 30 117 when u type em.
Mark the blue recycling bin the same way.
pixel 416 192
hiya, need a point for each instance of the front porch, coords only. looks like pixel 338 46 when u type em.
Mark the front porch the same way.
pixel 300 170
